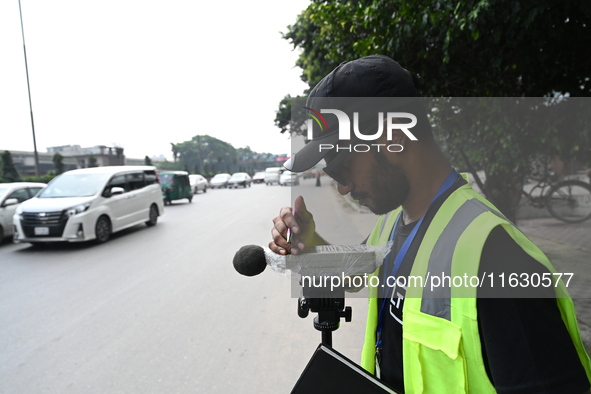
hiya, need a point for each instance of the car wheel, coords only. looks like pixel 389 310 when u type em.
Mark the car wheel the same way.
pixel 1 234
pixel 102 230
pixel 153 216
pixel 190 198
pixel 204 190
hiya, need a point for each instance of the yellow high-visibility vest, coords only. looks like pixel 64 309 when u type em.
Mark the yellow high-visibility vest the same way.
pixel 441 343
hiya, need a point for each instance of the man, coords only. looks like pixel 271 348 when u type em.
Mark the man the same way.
pixel 452 339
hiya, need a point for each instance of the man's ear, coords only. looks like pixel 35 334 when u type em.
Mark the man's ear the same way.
pixel 398 136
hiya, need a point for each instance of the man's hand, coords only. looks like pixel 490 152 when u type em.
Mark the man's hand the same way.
pixel 301 224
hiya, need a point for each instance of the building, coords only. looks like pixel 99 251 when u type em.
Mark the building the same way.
pixel 74 157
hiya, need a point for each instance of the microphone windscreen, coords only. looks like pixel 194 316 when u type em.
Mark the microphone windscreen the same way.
pixel 250 260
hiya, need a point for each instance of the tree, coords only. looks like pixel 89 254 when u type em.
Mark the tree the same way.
pixel 58 163
pixel 169 166
pixel 515 48
pixel 206 149
pixel 92 161
pixel 175 151
pixel 147 161
pixel 288 120
pixel 465 48
pixel 8 170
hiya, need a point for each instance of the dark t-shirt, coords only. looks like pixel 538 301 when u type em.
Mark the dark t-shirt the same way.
pixel 526 346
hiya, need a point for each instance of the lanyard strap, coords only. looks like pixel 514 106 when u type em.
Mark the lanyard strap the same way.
pixel 449 181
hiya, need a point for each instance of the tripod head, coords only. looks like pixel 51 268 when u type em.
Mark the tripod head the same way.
pixel 330 306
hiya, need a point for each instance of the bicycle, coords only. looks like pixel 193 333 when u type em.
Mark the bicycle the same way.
pixel 567 200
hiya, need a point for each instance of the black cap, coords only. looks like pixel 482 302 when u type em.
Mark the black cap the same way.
pixel 371 76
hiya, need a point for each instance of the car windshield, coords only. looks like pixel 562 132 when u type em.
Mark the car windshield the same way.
pixel 219 177
pixel 3 191
pixel 238 177
pixel 75 185
pixel 166 179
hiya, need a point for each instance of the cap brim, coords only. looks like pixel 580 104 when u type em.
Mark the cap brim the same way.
pixel 311 154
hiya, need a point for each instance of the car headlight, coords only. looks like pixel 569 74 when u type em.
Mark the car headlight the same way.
pixel 78 209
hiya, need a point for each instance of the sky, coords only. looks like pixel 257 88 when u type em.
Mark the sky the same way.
pixel 143 74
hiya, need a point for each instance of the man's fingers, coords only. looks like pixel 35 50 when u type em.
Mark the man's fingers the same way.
pixel 280 225
pixel 279 244
pixel 286 216
pixel 276 249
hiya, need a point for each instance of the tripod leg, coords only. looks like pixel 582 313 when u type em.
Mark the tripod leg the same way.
pixel 327 338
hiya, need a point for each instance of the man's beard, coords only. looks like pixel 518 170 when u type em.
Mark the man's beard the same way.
pixel 389 186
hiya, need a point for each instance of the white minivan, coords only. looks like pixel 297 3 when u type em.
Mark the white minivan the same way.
pixel 90 203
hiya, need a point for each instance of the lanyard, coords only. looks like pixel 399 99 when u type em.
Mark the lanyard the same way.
pixel 449 181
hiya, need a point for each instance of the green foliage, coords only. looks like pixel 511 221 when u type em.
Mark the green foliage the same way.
pixel 175 151
pixel 8 171
pixel 202 149
pixel 288 121
pixel 92 162
pixel 147 161
pixel 458 48
pixel 169 166
pixel 43 178
pixel 58 163
pixel 208 156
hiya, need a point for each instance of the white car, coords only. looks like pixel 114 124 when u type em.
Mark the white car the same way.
pixel 90 204
pixel 289 178
pixel 11 195
pixel 219 181
pixel 198 182
pixel 239 179
pixel 259 177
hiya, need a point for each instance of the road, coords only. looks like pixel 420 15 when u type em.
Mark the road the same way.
pixel 161 309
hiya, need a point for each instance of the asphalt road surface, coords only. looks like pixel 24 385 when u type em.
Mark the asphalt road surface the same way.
pixel 161 309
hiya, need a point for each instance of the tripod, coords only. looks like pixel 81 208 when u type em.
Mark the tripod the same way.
pixel 330 306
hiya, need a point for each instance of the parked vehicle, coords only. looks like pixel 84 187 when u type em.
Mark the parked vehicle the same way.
pixel 272 175
pixel 90 203
pixel 239 179
pixel 289 178
pixel 259 177
pixel 219 181
pixel 11 195
pixel 198 182
pixel 175 186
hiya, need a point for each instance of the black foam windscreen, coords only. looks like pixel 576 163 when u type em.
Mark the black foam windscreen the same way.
pixel 250 260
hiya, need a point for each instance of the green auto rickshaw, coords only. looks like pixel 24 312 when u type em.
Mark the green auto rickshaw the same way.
pixel 175 186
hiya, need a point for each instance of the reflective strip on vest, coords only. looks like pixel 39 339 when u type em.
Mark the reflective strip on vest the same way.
pixel 437 301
